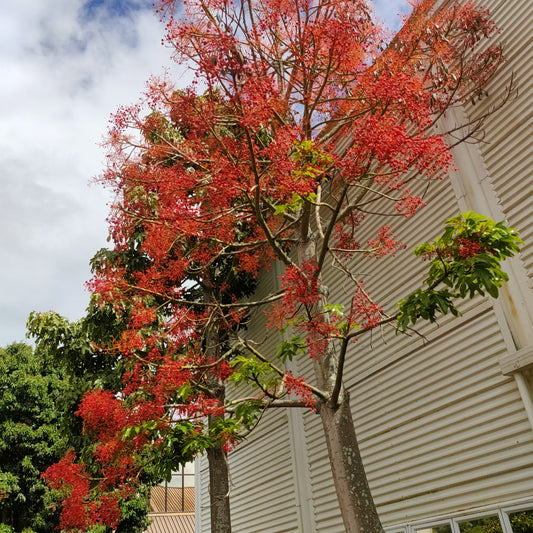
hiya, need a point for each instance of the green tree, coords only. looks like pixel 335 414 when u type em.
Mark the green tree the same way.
pixel 30 439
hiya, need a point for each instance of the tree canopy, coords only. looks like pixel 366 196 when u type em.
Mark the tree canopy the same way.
pixel 30 440
pixel 305 135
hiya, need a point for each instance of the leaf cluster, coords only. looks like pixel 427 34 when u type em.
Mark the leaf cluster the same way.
pixel 252 370
pixel 466 260
pixel 70 347
pixel 288 350
pixel 176 447
pixel 30 439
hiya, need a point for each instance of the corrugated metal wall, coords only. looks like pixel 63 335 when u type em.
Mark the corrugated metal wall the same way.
pixel 262 467
pixel 508 147
pixel 171 523
pixel 440 428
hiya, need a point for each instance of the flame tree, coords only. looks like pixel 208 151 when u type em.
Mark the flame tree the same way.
pixel 300 120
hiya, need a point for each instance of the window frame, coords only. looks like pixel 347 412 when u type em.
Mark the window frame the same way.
pixel 181 475
pixel 502 512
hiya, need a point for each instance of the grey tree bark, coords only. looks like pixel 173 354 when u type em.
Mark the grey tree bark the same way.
pixel 358 511
pixel 219 490
pixel 357 507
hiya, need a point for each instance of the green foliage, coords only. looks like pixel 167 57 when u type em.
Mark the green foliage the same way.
pixel 249 369
pixel 69 345
pixel 8 482
pixel 158 130
pixel 134 512
pixel 522 522
pixel 176 447
pixel 30 440
pixel 466 259
pixel 247 413
pixel 489 524
pixel 425 303
pixel 312 159
pixel 221 428
pixel 291 348
pixel 296 203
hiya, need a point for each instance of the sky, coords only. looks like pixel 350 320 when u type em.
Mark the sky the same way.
pixel 65 66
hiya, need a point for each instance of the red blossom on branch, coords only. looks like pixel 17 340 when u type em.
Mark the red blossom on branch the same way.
pixel 300 285
pixel 468 248
pixel 364 313
pixel 102 413
pixel 297 385
pixel 384 243
pixel 71 479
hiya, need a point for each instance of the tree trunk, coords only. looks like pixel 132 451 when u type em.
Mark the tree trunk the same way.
pixel 219 490
pixel 216 456
pixel 356 504
pixel 357 507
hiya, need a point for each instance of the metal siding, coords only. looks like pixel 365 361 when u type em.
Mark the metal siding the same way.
pixel 203 516
pixel 440 428
pixel 444 430
pixel 261 469
pixel 507 149
pixel 262 476
pixel 390 278
pixel 171 523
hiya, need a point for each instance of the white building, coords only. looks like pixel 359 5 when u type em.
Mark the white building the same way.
pixel 446 427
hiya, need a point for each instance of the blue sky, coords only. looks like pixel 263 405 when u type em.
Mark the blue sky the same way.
pixel 389 11
pixel 66 66
pixel 113 8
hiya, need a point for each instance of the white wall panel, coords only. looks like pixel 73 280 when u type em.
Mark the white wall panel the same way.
pixel 445 423
pixel 507 149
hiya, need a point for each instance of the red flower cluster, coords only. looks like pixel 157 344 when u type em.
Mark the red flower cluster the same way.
pixel 468 248
pixel 364 313
pixel 80 509
pixel 298 386
pixel 102 413
pixel 409 204
pixel 71 479
pixel 300 286
pixel 384 243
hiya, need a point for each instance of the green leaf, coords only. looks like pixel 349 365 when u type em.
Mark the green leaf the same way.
pixel 289 349
pixel 247 413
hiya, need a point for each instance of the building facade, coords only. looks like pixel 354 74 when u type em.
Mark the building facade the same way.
pixel 172 503
pixel 445 426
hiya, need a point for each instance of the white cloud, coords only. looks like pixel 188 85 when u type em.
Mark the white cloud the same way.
pixel 62 77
